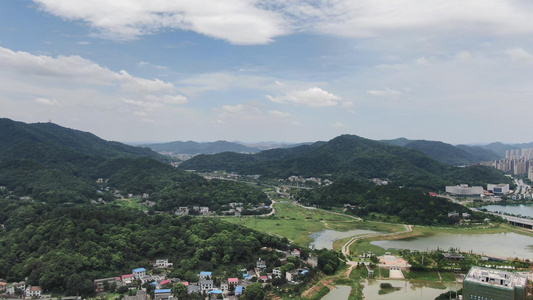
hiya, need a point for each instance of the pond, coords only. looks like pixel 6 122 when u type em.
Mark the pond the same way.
pixel 515 209
pixel 338 293
pixel 495 244
pixel 406 290
pixel 325 239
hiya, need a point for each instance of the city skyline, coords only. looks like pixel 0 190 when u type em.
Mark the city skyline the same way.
pixel 255 71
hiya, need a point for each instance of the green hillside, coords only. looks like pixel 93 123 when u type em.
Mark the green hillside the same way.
pixel 191 147
pixel 58 165
pixel 344 157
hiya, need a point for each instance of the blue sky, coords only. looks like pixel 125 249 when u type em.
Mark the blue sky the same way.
pixel 163 70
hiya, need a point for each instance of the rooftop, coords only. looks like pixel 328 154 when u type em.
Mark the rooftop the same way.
pixel 162 291
pixel 139 270
pixel 499 278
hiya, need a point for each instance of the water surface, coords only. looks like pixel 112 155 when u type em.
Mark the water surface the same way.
pixel 325 239
pixel 508 245
pixel 339 293
pixel 419 290
pixel 515 209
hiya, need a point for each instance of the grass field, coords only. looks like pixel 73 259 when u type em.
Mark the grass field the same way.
pixel 297 223
pixel 131 203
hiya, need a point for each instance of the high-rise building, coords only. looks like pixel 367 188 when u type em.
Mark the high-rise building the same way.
pixel 490 284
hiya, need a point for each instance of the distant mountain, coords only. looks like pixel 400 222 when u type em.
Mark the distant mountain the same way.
pixel 56 165
pixel 191 147
pixel 446 153
pixel 346 156
pixel 500 148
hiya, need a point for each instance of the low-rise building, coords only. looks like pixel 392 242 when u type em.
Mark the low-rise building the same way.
pixel 33 291
pixel 204 275
pixel 464 190
pixel 138 272
pixel 484 283
pixel 206 285
pixel 261 265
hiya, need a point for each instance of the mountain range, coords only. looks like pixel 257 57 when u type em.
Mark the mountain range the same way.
pixel 347 156
pixel 58 165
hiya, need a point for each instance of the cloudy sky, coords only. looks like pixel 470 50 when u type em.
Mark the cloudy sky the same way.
pixel 458 71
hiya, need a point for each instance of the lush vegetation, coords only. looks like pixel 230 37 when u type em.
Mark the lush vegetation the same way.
pixel 191 147
pixel 446 153
pixel 64 249
pixel 57 165
pixel 411 206
pixel 346 157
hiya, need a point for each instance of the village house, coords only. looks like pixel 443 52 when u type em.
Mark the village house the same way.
pixel 100 283
pixel 276 272
pixel 312 261
pixel 163 294
pixel 33 291
pixel 141 295
pixel 204 275
pixel 233 281
pixel 291 275
pixel 206 285
pixel 138 272
pixel 224 286
pixel 162 263
pixel 19 286
pixel 182 211
pixel 261 265
pixel 295 253
pixel 3 286
pixel 127 279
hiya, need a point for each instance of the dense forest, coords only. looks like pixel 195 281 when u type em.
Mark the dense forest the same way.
pixel 410 206
pixel 64 249
pixel 57 165
pixel 348 157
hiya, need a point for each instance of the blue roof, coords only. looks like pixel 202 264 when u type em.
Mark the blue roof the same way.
pixel 305 272
pixel 206 273
pixel 139 270
pixel 238 289
pixel 154 283
pixel 215 292
pixel 162 291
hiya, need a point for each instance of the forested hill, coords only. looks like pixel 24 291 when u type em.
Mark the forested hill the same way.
pixel 347 157
pixel 58 165
pixel 191 147
pixel 50 143
pixel 446 153
pixel 65 249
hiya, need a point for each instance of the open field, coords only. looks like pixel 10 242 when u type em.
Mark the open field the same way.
pixel 131 203
pixel 297 223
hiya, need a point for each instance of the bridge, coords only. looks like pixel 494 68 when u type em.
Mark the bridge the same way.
pixel 521 222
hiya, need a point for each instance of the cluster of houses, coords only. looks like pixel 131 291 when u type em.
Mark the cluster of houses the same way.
pixel 17 289
pixel 301 179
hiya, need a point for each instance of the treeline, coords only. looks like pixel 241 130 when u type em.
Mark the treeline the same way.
pixel 66 248
pixel 411 206
pixel 349 157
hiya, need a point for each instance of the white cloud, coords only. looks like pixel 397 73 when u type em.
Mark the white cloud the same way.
pixel 237 21
pixel 144 104
pixel 519 55
pixel 384 93
pixel 84 43
pixel 169 99
pixel 313 97
pixel 147 64
pixel 278 114
pixel 338 125
pixel 49 102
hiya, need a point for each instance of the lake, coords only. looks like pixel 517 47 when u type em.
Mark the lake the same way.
pixel 409 290
pixel 495 244
pixel 515 209
pixel 325 239
pixel 338 293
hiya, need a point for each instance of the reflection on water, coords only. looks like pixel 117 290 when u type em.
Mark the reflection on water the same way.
pixel 515 209
pixel 325 239
pixel 338 293
pixel 408 290
pixel 494 244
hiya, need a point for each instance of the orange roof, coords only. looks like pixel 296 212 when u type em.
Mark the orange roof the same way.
pixel 35 288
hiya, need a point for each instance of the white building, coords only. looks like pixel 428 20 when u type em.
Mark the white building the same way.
pixel 464 189
pixel 498 189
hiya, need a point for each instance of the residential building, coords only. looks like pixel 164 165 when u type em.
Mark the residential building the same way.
pixel 291 275
pixel 33 291
pixel 276 272
pixel 138 272
pixel 127 279
pixel 101 283
pixel 295 253
pixel 163 294
pixel 162 263
pixel 261 265
pixel 206 285
pixel 205 275
pixel 141 295
pixel 233 281
pixel 484 283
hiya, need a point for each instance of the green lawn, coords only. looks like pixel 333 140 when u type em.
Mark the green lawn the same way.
pixel 131 203
pixel 422 275
pixel 297 223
